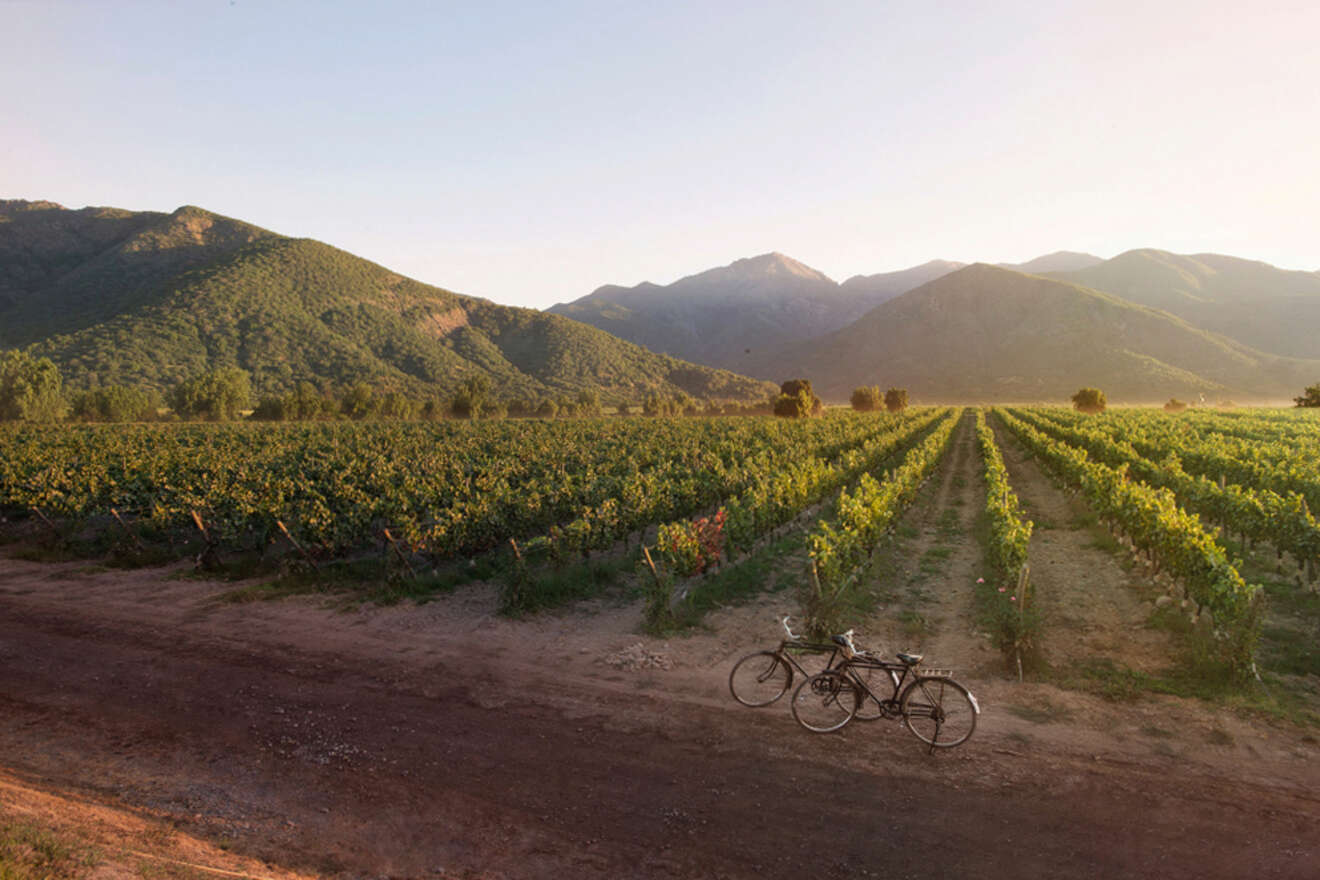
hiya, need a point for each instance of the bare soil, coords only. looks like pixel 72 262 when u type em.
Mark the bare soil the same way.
pixel 438 740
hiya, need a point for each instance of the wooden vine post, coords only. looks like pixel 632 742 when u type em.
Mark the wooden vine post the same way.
pixel 137 542
pixel 50 525
pixel 1024 579
pixel 403 557
pixel 209 557
pixel 279 523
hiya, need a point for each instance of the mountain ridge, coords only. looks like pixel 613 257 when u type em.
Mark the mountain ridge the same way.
pixel 148 298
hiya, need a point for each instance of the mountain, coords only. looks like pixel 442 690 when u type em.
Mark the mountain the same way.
pixel 1272 309
pixel 987 333
pixel 868 291
pixel 1059 261
pixel 144 298
pixel 727 315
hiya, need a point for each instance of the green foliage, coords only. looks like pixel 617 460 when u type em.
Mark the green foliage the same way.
pixel 1089 400
pixel 796 400
pixel 1154 521
pixel 115 403
pixel 30 389
pixel 218 396
pixel 866 398
pixel 471 397
pixel 359 402
pixel 896 399
pixel 842 547
pixel 1310 398
pixel 1007 600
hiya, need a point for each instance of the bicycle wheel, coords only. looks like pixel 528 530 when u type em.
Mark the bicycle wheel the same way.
pixel 825 702
pixel 880 684
pixel 759 679
pixel 939 712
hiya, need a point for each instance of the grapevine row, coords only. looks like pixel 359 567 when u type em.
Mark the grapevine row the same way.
pixel 840 549
pixel 1010 533
pixel 1152 519
pixel 1284 520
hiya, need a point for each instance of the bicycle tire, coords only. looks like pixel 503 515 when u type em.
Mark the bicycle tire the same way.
pixel 939 711
pixel 760 679
pixel 825 702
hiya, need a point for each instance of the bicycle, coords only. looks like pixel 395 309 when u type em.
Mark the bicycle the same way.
pixel 936 709
pixel 761 678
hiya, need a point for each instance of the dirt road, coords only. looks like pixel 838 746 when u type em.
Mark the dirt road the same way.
pixel 435 741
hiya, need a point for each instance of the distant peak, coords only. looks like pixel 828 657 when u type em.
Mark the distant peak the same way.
pixel 773 263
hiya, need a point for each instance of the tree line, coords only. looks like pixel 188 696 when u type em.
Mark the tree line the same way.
pixel 32 390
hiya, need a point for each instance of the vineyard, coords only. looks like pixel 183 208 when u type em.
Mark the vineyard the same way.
pixel 689 496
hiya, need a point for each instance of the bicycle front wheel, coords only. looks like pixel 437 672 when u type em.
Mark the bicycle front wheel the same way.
pixel 759 679
pixel 939 712
pixel 825 702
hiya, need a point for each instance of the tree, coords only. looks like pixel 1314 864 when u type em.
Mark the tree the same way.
pixel 1174 405
pixel 655 405
pixel 796 400
pixel 30 389
pixel 218 396
pixel 116 403
pixel 548 409
pixel 471 397
pixel 866 398
pixel 1089 400
pixel 1311 397
pixel 359 402
pixel 896 399
pixel 588 402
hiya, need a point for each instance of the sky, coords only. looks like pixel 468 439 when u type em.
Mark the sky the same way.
pixel 531 152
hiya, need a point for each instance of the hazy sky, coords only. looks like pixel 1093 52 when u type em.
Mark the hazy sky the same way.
pixel 529 152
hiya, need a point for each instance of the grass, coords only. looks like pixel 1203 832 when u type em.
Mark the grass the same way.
pixel 31 852
pixel 770 568
pixel 525 589
pixel 363 580
pixel 1044 712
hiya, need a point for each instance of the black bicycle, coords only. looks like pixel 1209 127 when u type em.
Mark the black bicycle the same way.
pixel 938 710
pixel 761 678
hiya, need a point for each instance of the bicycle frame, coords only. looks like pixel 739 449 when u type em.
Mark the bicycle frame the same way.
pixel 801 647
pixel 898 674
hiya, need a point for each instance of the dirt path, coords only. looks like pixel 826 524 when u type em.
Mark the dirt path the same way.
pixel 928 579
pixel 438 741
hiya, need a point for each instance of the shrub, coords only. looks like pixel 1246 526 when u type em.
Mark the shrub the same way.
pixel 1175 405
pixel 866 398
pixel 896 399
pixel 1311 397
pixel 1089 400
pixel 796 400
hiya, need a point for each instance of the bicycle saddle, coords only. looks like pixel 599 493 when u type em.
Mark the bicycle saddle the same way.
pixel 909 659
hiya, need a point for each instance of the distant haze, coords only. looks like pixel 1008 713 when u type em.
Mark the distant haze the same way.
pixel 529 152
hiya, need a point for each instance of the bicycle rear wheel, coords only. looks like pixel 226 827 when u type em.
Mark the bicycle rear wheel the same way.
pixel 939 712
pixel 759 679
pixel 825 702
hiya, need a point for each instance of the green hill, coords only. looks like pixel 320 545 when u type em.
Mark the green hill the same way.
pixel 115 297
pixel 985 333
pixel 1260 305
